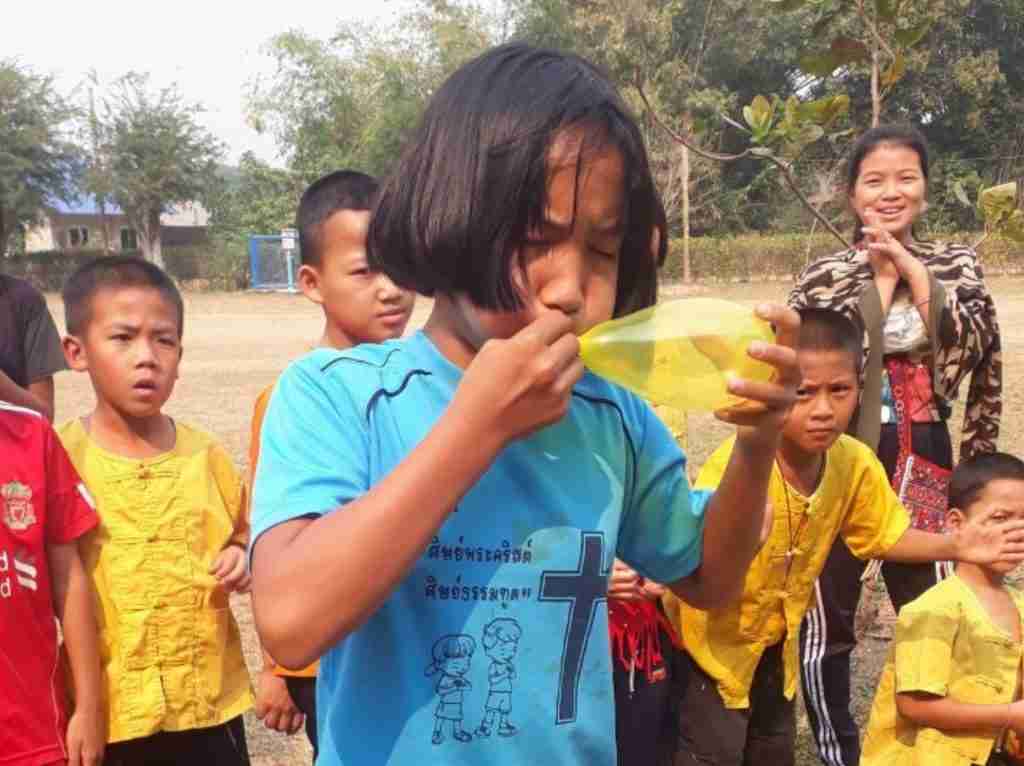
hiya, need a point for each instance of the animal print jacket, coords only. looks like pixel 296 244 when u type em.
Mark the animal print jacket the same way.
pixel 963 330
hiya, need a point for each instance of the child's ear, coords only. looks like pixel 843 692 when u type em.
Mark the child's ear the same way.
pixel 309 283
pixel 74 353
pixel 955 518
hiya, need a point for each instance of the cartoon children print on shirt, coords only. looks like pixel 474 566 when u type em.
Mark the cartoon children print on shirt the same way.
pixel 452 655
pixel 501 642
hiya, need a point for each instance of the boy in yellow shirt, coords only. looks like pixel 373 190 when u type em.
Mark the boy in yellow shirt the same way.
pixel 950 690
pixel 360 306
pixel 170 545
pixel 740 662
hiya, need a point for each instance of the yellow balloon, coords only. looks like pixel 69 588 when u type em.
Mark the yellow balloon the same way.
pixel 680 353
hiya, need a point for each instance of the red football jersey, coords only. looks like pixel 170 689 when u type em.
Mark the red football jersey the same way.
pixel 42 502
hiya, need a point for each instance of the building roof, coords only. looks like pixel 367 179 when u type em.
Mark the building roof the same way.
pixel 84 204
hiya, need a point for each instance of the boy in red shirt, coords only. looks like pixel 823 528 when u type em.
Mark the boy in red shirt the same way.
pixel 44 509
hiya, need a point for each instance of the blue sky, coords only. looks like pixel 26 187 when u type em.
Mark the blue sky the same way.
pixel 210 49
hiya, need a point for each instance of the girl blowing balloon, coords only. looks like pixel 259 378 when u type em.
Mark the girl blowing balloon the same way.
pixel 426 487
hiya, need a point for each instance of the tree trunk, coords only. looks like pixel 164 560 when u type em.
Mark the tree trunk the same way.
pixel 876 97
pixel 685 173
pixel 148 225
pixel 4 231
pixel 156 254
pixel 105 226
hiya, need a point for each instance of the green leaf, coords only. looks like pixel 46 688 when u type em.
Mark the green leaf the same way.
pixel 849 51
pixel 748 115
pixel 1014 226
pixel 894 72
pixel 887 10
pixel 819 64
pixel 961 195
pixel 825 111
pixel 762 109
pixel 998 203
pixel 810 133
pixel 911 36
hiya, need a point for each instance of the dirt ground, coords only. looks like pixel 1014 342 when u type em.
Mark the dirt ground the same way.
pixel 236 344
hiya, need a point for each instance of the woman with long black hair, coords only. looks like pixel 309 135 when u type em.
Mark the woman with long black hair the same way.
pixel 929 319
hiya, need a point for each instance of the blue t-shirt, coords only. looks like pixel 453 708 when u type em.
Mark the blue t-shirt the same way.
pixel 494 649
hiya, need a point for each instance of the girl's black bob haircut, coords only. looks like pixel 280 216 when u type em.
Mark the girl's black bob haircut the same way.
pixel 472 182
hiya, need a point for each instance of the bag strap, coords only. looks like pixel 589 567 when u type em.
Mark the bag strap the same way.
pixel 897 369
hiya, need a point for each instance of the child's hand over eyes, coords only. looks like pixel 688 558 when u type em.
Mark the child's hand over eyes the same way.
pixel 771 401
pixel 229 569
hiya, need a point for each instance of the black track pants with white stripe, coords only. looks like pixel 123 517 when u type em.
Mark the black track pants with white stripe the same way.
pixel 827 636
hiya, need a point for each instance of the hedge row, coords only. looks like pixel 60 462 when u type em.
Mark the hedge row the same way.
pixel 225 266
pixel 211 266
pixel 782 256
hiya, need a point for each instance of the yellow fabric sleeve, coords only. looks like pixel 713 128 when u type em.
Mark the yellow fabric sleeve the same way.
pixel 923 653
pixel 877 520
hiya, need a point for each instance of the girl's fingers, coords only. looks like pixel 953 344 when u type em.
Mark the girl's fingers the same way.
pixel 782 358
pixel 772 395
pixel 545 330
pixel 570 376
pixel 785 321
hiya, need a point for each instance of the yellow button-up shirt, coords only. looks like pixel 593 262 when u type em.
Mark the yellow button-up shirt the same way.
pixel 169 646
pixel 853 499
pixel 946 645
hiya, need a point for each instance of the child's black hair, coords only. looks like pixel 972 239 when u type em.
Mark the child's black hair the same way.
pixel 973 474
pixel 114 271
pixel 340 190
pixel 825 330
pixel 884 135
pixel 472 182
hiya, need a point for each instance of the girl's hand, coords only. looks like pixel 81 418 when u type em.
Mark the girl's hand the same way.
pixel 625 584
pixel 770 402
pixel 517 386
pixel 889 259
pixel 86 738
pixel 229 569
pixel 274 705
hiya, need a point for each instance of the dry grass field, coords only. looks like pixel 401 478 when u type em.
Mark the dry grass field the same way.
pixel 237 343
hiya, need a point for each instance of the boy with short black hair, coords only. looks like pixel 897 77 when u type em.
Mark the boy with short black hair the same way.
pixel 45 511
pixel 950 690
pixel 360 306
pixel 30 350
pixel 170 546
pixel 742 660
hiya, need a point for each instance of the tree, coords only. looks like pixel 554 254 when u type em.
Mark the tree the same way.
pixel 260 199
pixel 37 162
pixel 154 155
pixel 353 100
